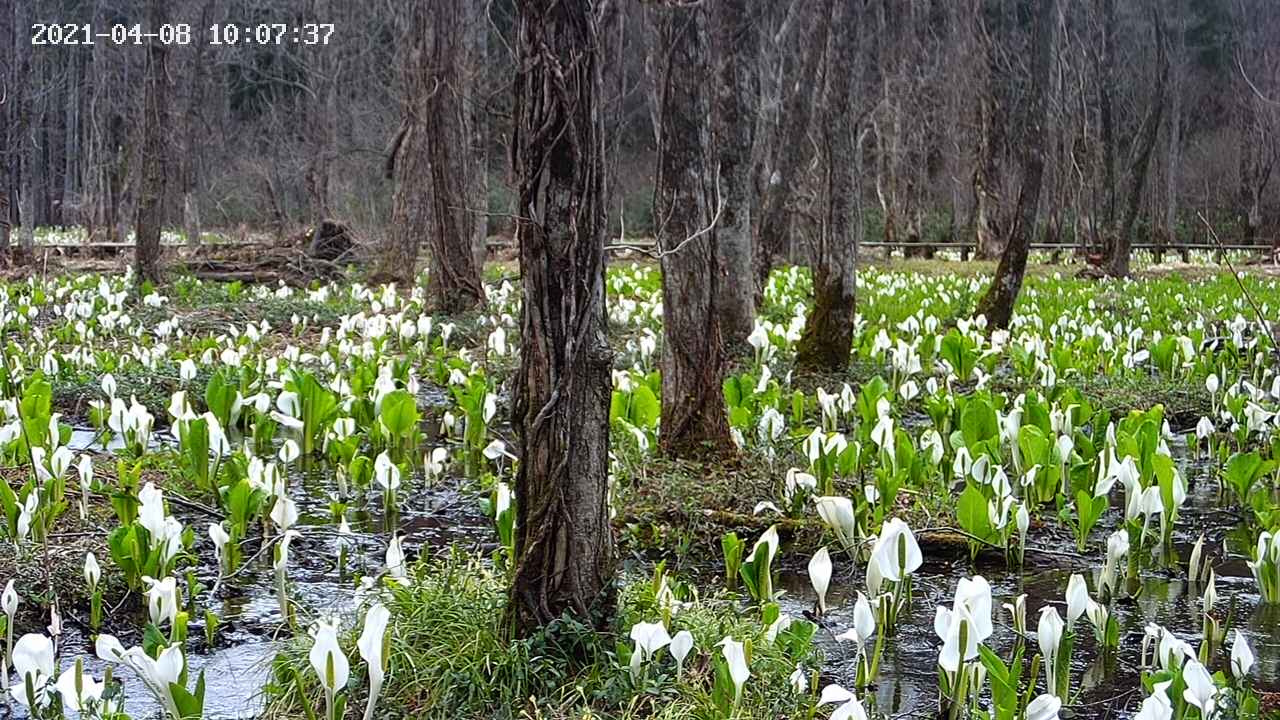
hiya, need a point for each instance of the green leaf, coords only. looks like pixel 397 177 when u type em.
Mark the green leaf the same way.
pixel 219 397
pixel 971 513
pixel 1088 510
pixel 399 413
pixel 978 421
pixel 617 406
pixel 732 391
pixel 645 408
pixel 1242 470
pixel 360 471
pixel 1034 446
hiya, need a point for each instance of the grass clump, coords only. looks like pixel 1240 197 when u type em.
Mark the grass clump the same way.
pixel 448 657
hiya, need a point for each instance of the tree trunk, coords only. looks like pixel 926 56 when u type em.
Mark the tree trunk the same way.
pixel 733 38
pixel 1173 160
pixel 997 304
pixel 828 333
pixel 564 542
pixel 71 153
pixel 1106 85
pixel 25 86
pixel 7 116
pixel 476 124
pixel 192 144
pixel 774 224
pixel 407 163
pixel 454 284
pixel 432 154
pixel 117 171
pixel 190 218
pixel 986 201
pixel 694 421
pixel 154 163
pixel 1117 264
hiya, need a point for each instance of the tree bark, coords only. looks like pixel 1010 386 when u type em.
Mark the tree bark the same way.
pixel 432 153
pixel 564 542
pixel 25 86
pixel 687 208
pixel 1117 264
pixel 986 200
pixel 8 92
pixel 828 333
pixel 733 40
pixel 191 165
pixel 117 171
pixel 789 155
pixel 407 163
pixel 1173 158
pixel 997 304
pixel 1107 118
pixel 154 160
pixel 476 126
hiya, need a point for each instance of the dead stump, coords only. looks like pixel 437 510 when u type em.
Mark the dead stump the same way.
pixel 331 241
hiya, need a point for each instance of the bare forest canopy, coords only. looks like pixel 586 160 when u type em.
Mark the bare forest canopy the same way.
pixel 1157 111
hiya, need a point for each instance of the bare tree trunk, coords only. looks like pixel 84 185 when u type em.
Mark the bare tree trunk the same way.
pixel 476 126
pixel 24 146
pixel 733 38
pixel 191 218
pixel 432 154
pixel 790 149
pixel 564 542
pixel 1173 160
pixel 8 93
pixel 454 283
pixel 997 304
pixel 321 116
pixel 71 141
pixel 828 333
pixel 1106 86
pixel 1118 256
pixel 191 165
pixel 686 210
pixel 407 162
pixel 986 202
pixel 154 161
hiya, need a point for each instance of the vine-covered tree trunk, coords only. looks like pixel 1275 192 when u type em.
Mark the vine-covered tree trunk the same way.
pixel 154 163
pixel 564 542
pixel 733 123
pixel 828 333
pixel 997 304
pixel 694 419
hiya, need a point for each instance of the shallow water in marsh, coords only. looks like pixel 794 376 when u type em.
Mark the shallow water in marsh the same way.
pixel 1107 684
pixel 239 663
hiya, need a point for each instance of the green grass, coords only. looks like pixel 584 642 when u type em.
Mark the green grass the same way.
pixel 450 659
